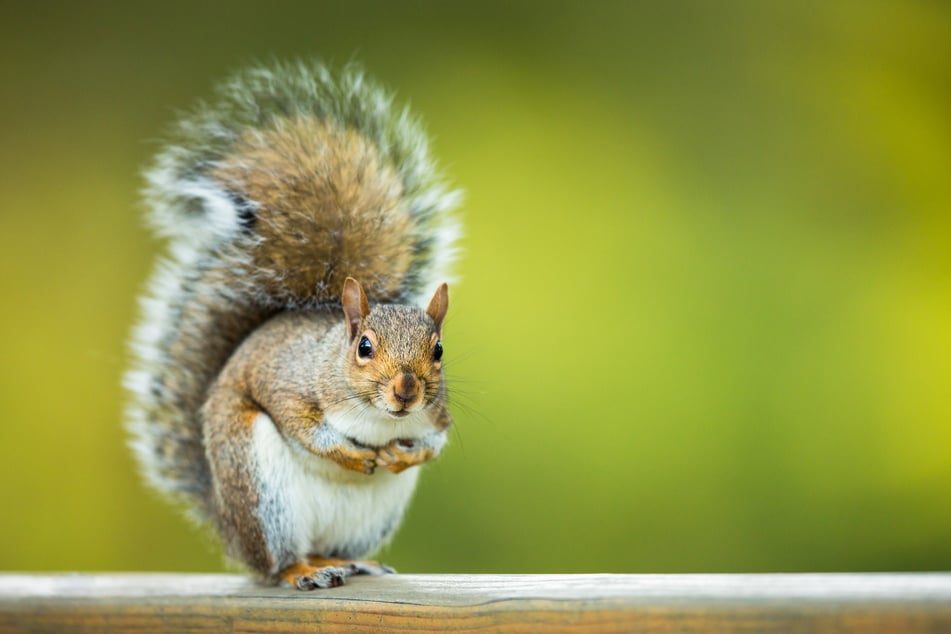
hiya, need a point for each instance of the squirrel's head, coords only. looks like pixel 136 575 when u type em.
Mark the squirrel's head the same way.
pixel 394 360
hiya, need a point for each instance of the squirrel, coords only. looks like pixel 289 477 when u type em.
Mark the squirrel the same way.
pixel 287 424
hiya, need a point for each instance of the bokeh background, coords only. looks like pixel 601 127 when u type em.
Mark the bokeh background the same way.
pixel 704 314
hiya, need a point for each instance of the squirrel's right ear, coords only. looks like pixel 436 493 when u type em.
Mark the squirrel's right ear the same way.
pixel 355 305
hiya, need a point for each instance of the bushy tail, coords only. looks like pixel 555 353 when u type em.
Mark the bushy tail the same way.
pixel 270 197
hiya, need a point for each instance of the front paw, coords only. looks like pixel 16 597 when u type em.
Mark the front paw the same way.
pixel 400 455
pixel 359 459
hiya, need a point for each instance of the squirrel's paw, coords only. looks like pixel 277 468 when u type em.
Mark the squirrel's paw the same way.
pixel 317 572
pixel 353 567
pixel 329 577
pixel 400 455
pixel 361 459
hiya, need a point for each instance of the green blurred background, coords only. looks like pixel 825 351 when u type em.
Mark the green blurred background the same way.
pixel 704 316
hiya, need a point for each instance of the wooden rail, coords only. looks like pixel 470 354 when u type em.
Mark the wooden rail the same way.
pixel 481 603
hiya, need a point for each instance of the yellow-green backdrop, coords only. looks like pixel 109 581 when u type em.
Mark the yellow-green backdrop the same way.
pixel 704 316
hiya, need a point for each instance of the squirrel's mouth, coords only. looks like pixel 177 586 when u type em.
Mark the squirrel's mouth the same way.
pixel 400 413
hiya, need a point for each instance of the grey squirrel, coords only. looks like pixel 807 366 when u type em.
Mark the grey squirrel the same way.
pixel 286 423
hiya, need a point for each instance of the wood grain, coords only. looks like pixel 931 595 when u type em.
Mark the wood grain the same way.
pixel 481 603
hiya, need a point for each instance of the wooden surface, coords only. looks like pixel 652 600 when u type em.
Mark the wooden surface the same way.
pixel 481 603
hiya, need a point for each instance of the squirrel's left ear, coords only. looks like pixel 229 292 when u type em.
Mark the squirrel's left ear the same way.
pixel 438 306
pixel 355 305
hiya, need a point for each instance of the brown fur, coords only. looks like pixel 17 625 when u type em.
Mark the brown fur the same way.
pixel 327 207
pixel 406 347
pixel 231 415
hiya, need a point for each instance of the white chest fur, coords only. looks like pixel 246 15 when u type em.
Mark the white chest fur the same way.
pixel 311 505
pixel 374 428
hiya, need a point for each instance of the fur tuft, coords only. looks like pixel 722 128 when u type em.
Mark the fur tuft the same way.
pixel 270 195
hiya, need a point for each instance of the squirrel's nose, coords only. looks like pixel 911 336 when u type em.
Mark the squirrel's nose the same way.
pixel 405 387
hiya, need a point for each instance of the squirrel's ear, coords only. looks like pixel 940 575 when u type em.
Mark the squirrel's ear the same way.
pixel 438 305
pixel 355 305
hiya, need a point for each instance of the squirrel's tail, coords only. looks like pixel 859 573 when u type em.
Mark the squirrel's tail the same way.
pixel 270 197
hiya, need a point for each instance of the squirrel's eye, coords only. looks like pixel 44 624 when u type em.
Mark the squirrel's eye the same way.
pixel 365 348
pixel 437 351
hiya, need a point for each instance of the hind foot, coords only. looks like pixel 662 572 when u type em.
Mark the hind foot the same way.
pixel 318 572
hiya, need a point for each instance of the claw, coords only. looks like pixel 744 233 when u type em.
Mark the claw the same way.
pixel 399 455
pixel 361 460
pixel 374 568
pixel 318 572
pixel 321 578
